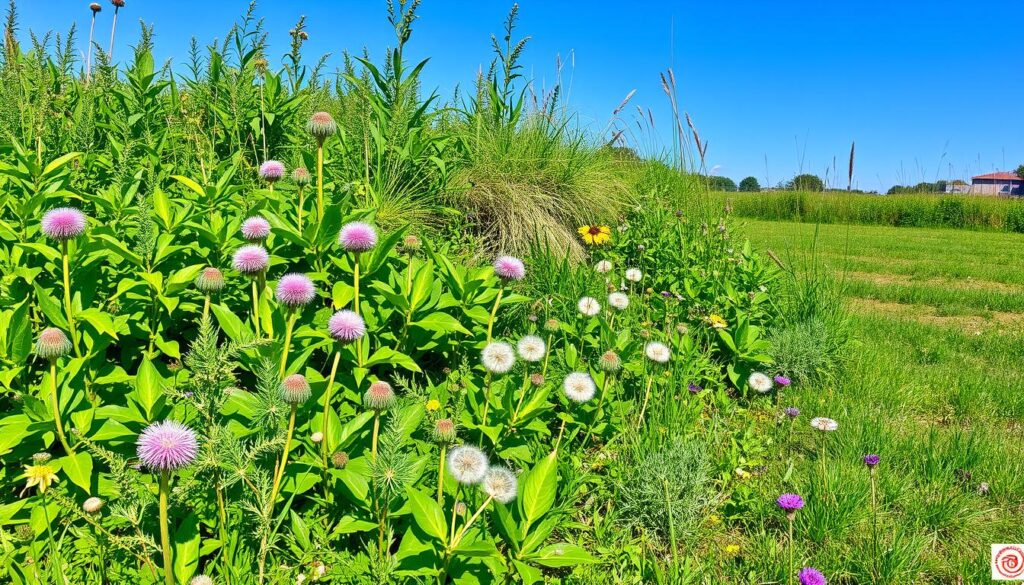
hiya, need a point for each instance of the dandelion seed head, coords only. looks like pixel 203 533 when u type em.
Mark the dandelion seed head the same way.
pixel 603 267
pixel 760 382
pixel 167 446
pixel 618 300
pixel 467 464
pixel 498 357
pixel 201 580
pixel 824 424
pixel 588 306
pixel 579 387
pixel 531 348
pixel 63 224
pixel 501 484
pixel 317 438
pixel 634 275
pixel 92 505
pixel 657 352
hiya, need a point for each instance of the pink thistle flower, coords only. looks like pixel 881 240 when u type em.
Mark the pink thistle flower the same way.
pixel 272 170
pixel 295 389
pixel 52 344
pixel 251 260
pixel 210 280
pixel 295 290
pixel 255 228
pixel 63 223
pixel 379 397
pixel 301 177
pixel 509 268
pixel 322 126
pixel 357 237
pixel 346 326
pixel 167 446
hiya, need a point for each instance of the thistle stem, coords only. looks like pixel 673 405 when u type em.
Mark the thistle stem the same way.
pixel 494 313
pixel 284 457
pixel 792 568
pixel 874 529
pixel 55 399
pixel 320 181
pixel 113 27
pixel 289 327
pixel 302 202
pixel 327 404
pixel 68 307
pixel 256 306
pixel 376 431
pixel 355 308
pixel 165 537
pixel 222 514
pixel 206 307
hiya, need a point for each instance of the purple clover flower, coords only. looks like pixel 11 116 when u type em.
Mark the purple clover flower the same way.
pixel 694 388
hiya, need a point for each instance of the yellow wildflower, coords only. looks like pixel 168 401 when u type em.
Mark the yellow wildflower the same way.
pixel 732 549
pixel 39 475
pixel 595 235
pixel 717 322
pixel 433 405
pixel 714 519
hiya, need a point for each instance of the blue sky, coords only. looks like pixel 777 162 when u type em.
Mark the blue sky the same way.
pixel 928 90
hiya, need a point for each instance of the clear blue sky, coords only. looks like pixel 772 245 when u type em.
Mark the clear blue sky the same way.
pixel 929 90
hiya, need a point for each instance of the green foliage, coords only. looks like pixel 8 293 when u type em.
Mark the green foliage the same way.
pixel 717 183
pixel 806 182
pixel 750 185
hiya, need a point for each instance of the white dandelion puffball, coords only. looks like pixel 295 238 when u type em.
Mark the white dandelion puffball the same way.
pixel 657 352
pixel 531 348
pixel 498 357
pixel 579 387
pixel 604 267
pixel 467 464
pixel 501 484
pixel 760 382
pixel 589 306
pixel 824 424
pixel 634 275
pixel 618 301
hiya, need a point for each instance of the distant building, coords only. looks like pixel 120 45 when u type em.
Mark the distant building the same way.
pixel 957 186
pixel 1005 184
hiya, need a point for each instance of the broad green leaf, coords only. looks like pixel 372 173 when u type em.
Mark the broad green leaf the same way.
pixel 537 494
pixel 186 549
pixel 148 386
pixel 441 323
pixel 563 554
pixel 78 468
pixel 428 514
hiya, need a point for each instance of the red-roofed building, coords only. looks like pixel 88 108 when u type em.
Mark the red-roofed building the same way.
pixel 1007 184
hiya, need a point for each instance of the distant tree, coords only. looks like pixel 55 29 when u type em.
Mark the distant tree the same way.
pixel 940 186
pixel 1020 171
pixel 721 183
pixel 750 184
pixel 806 182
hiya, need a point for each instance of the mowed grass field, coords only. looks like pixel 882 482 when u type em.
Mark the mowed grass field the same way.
pixel 935 385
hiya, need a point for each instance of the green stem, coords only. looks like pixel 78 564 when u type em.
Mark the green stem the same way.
pixel 327 405
pixel 302 202
pixel 256 306
pixel 320 181
pixel 68 306
pixel 55 400
pixel 494 313
pixel 165 536
pixel 440 476
pixel 355 308
pixel 289 327
pixel 487 405
pixel 206 307
pixel 284 457
pixel 874 529
pixel 222 514
pixel 792 568
pixel 671 522
pixel 597 412
pixel 376 432
pixel 56 563
pixel 647 397
pixel 462 533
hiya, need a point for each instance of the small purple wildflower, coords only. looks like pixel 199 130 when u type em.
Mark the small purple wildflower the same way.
pixel 509 268
pixel 782 380
pixel 666 294
pixel 167 446
pixel 811 576
pixel 271 171
pixel 357 237
pixel 792 411
pixel 694 388
pixel 871 460
pixel 790 502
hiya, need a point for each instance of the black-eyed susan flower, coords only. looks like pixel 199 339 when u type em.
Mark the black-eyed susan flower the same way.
pixel 595 235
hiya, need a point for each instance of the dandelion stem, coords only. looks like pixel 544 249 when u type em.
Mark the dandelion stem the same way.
pixel 68 307
pixel 55 399
pixel 558 442
pixel 487 405
pixel 494 313
pixel 455 505
pixel 284 457
pixel 327 404
pixel 547 354
pixel 597 412
pixel 469 524
pixel 647 397
pixel 165 537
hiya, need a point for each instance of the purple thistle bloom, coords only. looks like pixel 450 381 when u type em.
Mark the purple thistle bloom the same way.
pixel 346 326
pixel 871 460
pixel 272 170
pixel 295 290
pixel 63 223
pixel 509 268
pixel 790 502
pixel 811 576
pixel 695 388
pixel 666 294
pixel 251 260
pixel 782 380
pixel 357 237
pixel 167 446
pixel 792 411
pixel 255 229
